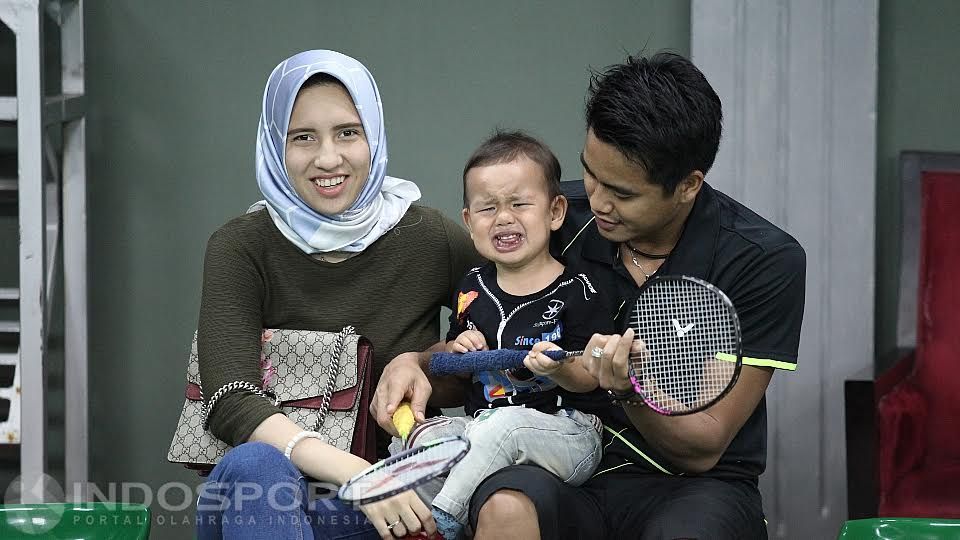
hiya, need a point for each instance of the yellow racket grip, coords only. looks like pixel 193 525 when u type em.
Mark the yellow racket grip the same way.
pixel 403 420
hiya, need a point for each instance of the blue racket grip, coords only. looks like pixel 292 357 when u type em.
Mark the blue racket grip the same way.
pixel 443 363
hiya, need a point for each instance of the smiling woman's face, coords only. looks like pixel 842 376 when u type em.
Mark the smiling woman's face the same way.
pixel 327 155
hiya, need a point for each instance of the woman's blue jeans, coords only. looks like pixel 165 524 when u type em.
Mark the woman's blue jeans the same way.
pixel 257 493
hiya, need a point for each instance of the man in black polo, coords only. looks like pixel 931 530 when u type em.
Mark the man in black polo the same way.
pixel 653 129
pixel 644 209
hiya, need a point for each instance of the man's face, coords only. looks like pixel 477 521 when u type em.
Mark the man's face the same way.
pixel 628 207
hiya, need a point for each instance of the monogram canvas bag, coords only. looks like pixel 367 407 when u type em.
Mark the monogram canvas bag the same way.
pixel 320 380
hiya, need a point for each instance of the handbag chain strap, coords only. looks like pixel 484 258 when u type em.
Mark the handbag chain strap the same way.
pixel 206 408
pixel 333 371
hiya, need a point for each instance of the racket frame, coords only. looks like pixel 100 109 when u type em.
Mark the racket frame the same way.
pixel 739 343
pixel 400 457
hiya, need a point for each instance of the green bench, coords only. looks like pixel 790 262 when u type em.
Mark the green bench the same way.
pixel 901 529
pixel 75 521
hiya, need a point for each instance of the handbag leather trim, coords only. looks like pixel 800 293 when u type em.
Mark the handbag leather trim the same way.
pixel 342 400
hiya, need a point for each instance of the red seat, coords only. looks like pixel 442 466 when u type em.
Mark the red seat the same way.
pixel 919 418
pixel 925 492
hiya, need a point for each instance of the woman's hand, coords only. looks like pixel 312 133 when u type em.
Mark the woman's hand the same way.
pixel 468 341
pixel 400 515
pixel 402 380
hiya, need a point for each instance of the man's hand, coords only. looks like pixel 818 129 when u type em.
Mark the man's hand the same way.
pixel 610 369
pixel 402 380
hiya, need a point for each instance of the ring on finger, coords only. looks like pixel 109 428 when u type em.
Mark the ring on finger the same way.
pixel 390 526
pixel 597 352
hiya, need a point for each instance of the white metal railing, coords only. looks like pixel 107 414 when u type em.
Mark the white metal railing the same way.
pixel 50 191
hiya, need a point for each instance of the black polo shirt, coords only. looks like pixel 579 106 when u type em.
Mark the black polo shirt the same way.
pixel 760 267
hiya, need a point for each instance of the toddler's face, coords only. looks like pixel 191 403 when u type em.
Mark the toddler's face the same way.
pixel 510 214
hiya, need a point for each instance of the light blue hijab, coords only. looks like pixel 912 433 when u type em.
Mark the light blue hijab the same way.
pixel 383 200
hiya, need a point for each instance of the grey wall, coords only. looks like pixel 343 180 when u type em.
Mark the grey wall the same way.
pixel 918 93
pixel 174 98
pixel 798 83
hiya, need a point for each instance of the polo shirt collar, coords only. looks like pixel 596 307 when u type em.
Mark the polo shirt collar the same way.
pixel 693 254
pixel 597 248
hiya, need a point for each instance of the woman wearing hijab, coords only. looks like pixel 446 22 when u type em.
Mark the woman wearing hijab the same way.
pixel 335 242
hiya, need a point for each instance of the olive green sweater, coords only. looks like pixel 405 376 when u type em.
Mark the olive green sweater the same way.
pixel 254 278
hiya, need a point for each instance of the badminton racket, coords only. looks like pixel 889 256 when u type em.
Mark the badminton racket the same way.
pixel 405 470
pixel 686 354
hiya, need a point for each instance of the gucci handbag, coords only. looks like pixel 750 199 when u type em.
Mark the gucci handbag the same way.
pixel 320 380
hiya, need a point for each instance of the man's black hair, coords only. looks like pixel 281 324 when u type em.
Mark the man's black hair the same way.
pixel 660 113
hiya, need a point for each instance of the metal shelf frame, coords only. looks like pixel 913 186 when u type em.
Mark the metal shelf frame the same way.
pixel 51 194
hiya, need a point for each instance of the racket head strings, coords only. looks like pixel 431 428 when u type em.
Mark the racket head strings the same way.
pixel 686 354
pixel 405 470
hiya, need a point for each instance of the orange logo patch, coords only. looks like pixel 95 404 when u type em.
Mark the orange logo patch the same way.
pixel 464 300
